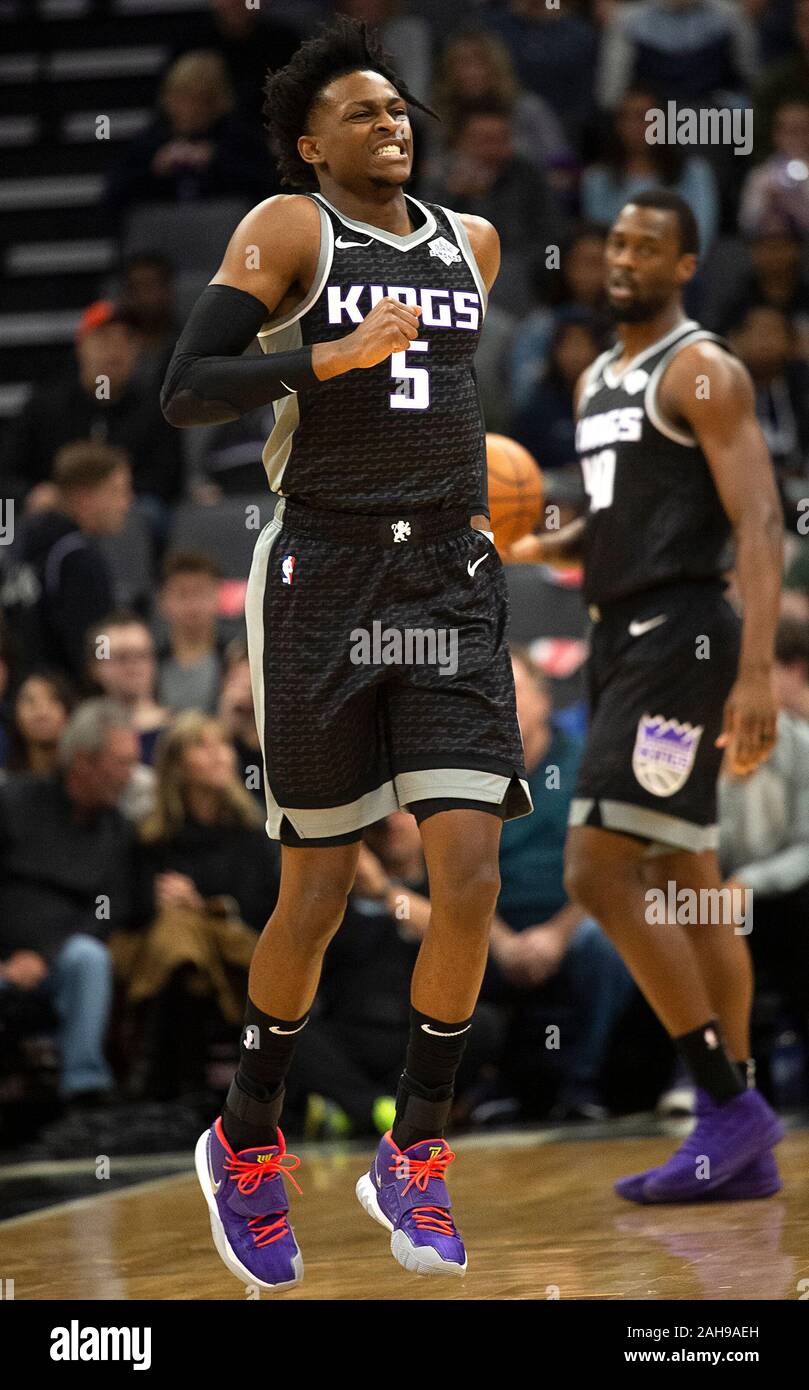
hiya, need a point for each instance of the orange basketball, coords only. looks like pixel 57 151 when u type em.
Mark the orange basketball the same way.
pixel 515 489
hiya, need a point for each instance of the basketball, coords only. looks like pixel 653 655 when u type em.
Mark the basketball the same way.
pixel 515 489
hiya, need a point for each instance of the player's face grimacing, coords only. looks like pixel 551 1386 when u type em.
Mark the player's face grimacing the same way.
pixel 645 267
pixel 361 133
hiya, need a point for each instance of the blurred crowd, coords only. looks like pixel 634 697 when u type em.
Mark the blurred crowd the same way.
pixel 135 872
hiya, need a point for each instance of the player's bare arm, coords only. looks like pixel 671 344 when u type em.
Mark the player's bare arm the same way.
pixel 722 417
pixel 267 269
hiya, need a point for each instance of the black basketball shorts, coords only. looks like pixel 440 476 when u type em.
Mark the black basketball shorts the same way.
pixel 661 667
pixel 380 671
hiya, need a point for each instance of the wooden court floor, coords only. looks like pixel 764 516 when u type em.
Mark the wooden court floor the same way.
pixel 538 1215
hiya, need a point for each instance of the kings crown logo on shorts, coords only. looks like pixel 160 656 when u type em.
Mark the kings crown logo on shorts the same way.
pixel 287 566
pixel 664 753
pixel 444 250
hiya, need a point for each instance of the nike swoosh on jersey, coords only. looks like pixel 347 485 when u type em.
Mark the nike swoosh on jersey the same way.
pixel 637 629
pixel 436 1032
pixel 342 243
pixel 286 1032
pixel 214 1184
pixel 470 568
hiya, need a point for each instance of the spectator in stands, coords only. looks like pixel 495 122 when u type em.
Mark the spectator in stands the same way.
pixel 764 847
pixel 190 664
pixel 211 875
pixel 196 148
pixel 42 707
pixel 121 662
pixel 538 934
pixel 485 176
pixel 775 276
pixel 238 717
pixel 792 668
pixel 5 681
pixel 776 195
pixel 632 164
pixel 59 582
pixel 147 300
pixel 96 400
pixel 554 53
pixel 249 41
pixel 574 280
pixel 477 66
pixel 350 1052
pixel 67 877
pixel 695 52
pixel 785 80
pixel 546 423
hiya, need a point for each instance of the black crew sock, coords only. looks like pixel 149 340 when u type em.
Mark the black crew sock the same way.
pixel 253 1107
pixel 424 1097
pixel 703 1052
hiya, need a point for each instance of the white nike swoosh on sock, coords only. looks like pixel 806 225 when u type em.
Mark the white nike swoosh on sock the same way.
pixel 425 1028
pixel 285 1032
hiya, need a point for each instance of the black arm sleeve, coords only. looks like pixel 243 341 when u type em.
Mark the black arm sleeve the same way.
pixel 208 381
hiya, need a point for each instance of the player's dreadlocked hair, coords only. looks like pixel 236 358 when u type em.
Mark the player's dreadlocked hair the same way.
pixel 345 46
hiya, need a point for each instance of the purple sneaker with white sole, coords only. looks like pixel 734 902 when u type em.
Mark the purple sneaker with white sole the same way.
pixel 758 1179
pixel 725 1141
pixel 248 1207
pixel 405 1191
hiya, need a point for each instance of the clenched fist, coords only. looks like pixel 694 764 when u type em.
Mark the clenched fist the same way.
pixel 390 327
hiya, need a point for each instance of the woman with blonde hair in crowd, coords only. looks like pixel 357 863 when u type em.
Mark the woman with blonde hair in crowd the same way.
pixel 210 880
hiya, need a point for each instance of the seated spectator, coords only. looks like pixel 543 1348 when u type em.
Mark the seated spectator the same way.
pixel 41 709
pixel 764 848
pixel 554 52
pixel 238 717
pixel 121 662
pixel 695 52
pixel 147 300
pixel 776 194
pixel 775 276
pixel 190 670
pixel 58 582
pixel 792 668
pixel 546 423
pixel 477 66
pixel 98 400
pixel 249 42
pixel 765 341
pixel 485 176
pixel 576 282
pixel 67 877
pixel 632 164
pixel 196 148
pixel 787 79
pixel 538 935
pixel 5 681
pixel 211 876
pixel 350 1053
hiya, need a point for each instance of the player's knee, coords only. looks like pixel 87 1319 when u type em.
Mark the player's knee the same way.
pixel 319 910
pixel 469 887
pixel 584 882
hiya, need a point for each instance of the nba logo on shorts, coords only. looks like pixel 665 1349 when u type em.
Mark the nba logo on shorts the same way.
pixel 664 753
pixel 287 566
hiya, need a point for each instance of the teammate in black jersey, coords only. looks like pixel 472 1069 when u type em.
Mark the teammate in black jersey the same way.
pixel 368 306
pixel 673 461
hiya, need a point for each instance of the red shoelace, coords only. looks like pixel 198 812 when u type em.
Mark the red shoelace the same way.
pixel 249 1176
pixel 436 1219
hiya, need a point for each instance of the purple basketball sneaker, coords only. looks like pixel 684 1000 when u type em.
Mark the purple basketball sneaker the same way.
pixel 248 1206
pixel 726 1139
pixel 760 1178
pixel 405 1191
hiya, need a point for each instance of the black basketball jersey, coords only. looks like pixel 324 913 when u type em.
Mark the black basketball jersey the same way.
pixel 407 433
pixel 655 514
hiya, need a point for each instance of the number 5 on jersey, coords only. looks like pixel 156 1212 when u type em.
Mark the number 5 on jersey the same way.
pixel 418 396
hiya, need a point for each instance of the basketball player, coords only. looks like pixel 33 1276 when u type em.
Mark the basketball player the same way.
pixel 367 305
pixel 673 462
